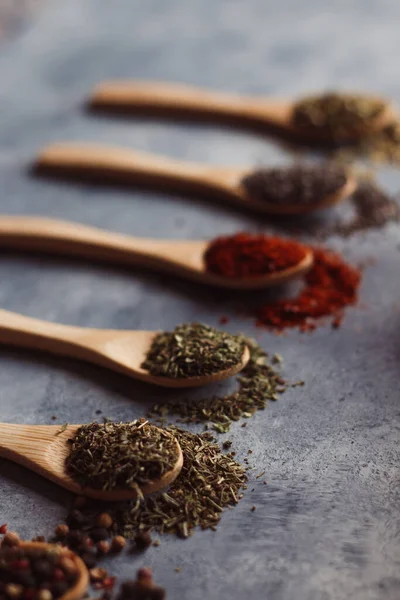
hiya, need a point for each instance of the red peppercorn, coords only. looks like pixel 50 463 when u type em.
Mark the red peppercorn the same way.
pixel 58 575
pixel 3 528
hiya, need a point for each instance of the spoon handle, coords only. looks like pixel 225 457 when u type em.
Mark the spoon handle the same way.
pixel 25 332
pixel 182 100
pixel 73 239
pixel 122 165
pixel 25 444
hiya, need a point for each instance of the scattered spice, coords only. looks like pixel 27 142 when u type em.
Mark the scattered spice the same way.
pixel 143 540
pixel 329 287
pixel 3 529
pixel 118 543
pixel 258 382
pixel 193 350
pixel 62 530
pixel 302 184
pixel 120 455
pixel 338 115
pixel 35 574
pixel 143 588
pixel 245 255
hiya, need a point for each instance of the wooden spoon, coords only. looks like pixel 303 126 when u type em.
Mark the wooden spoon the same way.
pixel 78 590
pixel 44 448
pixel 179 257
pixel 120 165
pixel 118 350
pixel 177 100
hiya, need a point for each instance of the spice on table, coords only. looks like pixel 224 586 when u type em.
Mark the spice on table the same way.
pixel 143 588
pixel 338 115
pixel 245 255
pixel 118 543
pixel 120 455
pixel 193 350
pixel 34 572
pixel 329 287
pixel 300 184
pixel 258 382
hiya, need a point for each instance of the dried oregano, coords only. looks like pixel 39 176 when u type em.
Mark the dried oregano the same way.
pixel 193 350
pixel 258 382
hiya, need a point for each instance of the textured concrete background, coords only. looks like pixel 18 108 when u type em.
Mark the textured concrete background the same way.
pixel 327 524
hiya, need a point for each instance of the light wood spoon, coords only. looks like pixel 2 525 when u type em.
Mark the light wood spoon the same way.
pixel 44 448
pixel 178 257
pixel 122 165
pixel 78 590
pixel 118 350
pixel 178 100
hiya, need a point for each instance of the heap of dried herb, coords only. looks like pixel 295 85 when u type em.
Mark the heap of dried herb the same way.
pixel 338 115
pixel 193 350
pixel 209 482
pixel 120 455
pixel 258 382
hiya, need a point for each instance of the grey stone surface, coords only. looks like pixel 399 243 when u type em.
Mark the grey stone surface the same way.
pixel 327 523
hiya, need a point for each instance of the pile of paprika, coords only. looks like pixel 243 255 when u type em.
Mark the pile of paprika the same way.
pixel 246 255
pixel 329 287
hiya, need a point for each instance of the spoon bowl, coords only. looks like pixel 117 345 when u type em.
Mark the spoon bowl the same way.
pixel 118 350
pixel 121 165
pixel 78 590
pixel 182 101
pixel 44 449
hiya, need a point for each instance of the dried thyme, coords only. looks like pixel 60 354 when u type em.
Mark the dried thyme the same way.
pixel 193 350
pixel 120 455
pixel 208 483
pixel 258 383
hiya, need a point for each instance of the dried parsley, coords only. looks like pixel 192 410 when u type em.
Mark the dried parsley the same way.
pixel 209 482
pixel 258 383
pixel 193 350
pixel 338 115
pixel 120 455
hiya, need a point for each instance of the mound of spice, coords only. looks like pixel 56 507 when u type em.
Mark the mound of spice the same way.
pixel 112 456
pixel 300 184
pixel 193 350
pixel 329 287
pixel 338 115
pixel 259 382
pixel 35 575
pixel 245 255
pixel 209 482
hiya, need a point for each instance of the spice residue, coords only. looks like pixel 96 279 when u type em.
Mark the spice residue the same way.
pixel 301 184
pixel 329 287
pixel 245 255
pixel 258 382
pixel 338 115
pixel 193 350
pixel 112 456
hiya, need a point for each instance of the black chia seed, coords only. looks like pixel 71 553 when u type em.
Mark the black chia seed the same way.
pixel 299 184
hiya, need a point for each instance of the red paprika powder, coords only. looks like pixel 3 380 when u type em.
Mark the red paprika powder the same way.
pixel 246 255
pixel 330 286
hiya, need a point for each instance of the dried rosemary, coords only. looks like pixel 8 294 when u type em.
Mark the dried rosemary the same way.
pixel 258 382
pixel 120 455
pixel 192 350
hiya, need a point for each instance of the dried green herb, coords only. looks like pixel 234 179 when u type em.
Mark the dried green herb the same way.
pixel 120 455
pixel 258 383
pixel 338 115
pixel 193 350
pixel 209 482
